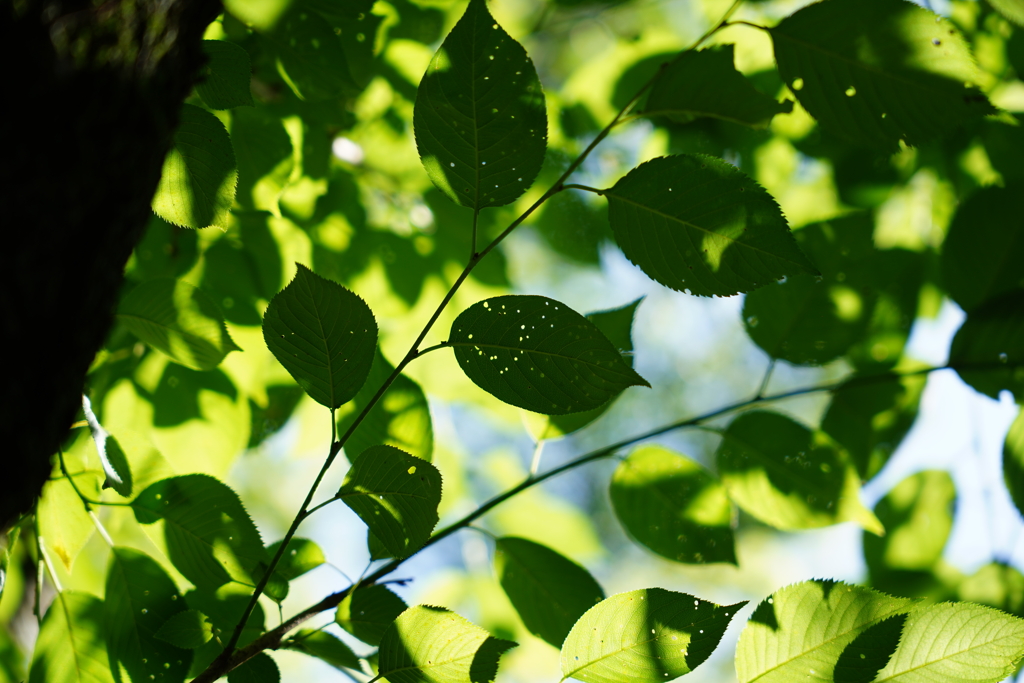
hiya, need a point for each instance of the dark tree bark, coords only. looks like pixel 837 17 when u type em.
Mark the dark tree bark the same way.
pixel 93 91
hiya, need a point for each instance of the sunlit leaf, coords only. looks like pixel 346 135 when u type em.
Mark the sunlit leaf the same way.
pixel 197 184
pixel 226 76
pixel 210 538
pixel 480 122
pixel 705 83
pixel 800 632
pixel 71 646
pixel 301 555
pixel 1011 9
pixel 179 320
pixel 549 591
pixel 956 642
pixel 64 524
pixel 324 646
pixel 995 584
pixel 644 636
pixel 324 335
pixel 694 222
pixel 112 457
pixel 988 349
pixel 538 354
pixel 368 611
pixel 673 506
pixel 878 71
pixel 396 495
pixel 1013 462
pixel 140 598
pixel 261 14
pixel 918 516
pixel 187 629
pixel 433 645
pixel 260 669
pixel 780 472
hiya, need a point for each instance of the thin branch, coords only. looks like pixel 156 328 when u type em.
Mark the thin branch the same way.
pixel 767 378
pixel 574 186
pixel 538 450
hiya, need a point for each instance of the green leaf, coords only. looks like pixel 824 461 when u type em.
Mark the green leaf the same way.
pixel 400 419
pixel 800 632
pixel 260 14
pixel 64 524
pixel 197 185
pixel 324 335
pixel 992 341
pixel 644 636
pixel 1013 462
pixel 673 506
pixel 260 669
pixel 433 645
pixel 696 223
pixel 179 320
pixel 1011 9
pixel 301 555
pixel 226 76
pixel 324 646
pixel 538 354
pixel 310 56
pixel 210 538
pixel 996 585
pixel 140 599
pixel 783 474
pixel 396 495
pixel 188 630
pixel 112 457
pixel 870 418
pixel 918 516
pixel 71 647
pixel 705 83
pixel 550 592
pixel 480 122
pixel 368 612
pixel 878 71
pixel 224 607
pixel 984 247
pixel 956 642
pixel 869 652
pixel 265 159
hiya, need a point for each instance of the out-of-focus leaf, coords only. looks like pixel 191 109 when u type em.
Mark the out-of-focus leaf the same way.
pixel 988 349
pixel 301 555
pixel 226 76
pixel 311 57
pixel 673 506
pixel 1011 9
pixel 324 646
pixel 368 612
pixel 996 585
pixel 265 160
pixel 1013 462
pixel 187 629
pixel 71 647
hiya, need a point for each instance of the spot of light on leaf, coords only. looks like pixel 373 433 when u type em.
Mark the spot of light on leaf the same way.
pixel 347 150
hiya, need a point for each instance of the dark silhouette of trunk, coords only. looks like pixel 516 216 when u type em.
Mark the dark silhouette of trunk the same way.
pixel 92 95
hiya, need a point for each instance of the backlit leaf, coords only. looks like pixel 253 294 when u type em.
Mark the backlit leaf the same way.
pixel 396 495
pixel 323 334
pixel 800 632
pixel 197 185
pixel 644 636
pixel 673 506
pixel 991 341
pixel 224 607
pixel 433 645
pixel 71 647
pixel 918 516
pixel 64 524
pixel 480 122
pixel 210 538
pixel 179 320
pixel 187 629
pixel 997 585
pixel 1011 9
pixel 538 354
pixel 705 83
pixel 310 56
pixel 549 591
pixel 780 472
pixel 878 71
pixel 1013 462
pixel 368 611
pixel 226 76
pixel 324 646
pixel 301 555
pixel 694 222
pixel 140 598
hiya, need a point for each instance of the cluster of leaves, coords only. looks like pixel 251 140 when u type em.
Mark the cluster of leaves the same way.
pixel 870 77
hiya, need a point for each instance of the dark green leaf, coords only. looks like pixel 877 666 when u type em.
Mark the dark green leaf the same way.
pixel 324 335
pixel 376 547
pixel 140 599
pixel 325 646
pixel 310 56
pixel 396 495
pixel 265 160
pixel 400 419
pixel 224 607
pixel 878 71
pixel 179 320
pixel 267 420
pixel 801 631
pixel 869 651
pixel 210 538
pixel 550 592
pixel 225 77
pixel 705 83
pixel 644 636
pixel 984 248
pixel 780 472
pixel 1013 462
pixel 197 185
pixel 260 669
pixel 694 222
pixel 538 354
pixel 673 506
pixel 71 646
pixel 112 457
pixel 301 556
pixel 480 122
pixel 988 350
pixel 433 645
pixel 368 611
pixel 188 630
